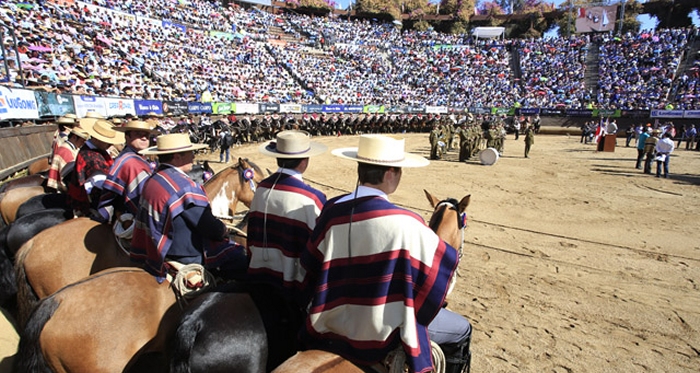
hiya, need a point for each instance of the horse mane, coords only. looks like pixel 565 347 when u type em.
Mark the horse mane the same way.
pixel 436 219
pixel 238 166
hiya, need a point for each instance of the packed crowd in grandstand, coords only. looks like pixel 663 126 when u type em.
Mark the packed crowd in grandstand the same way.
pixel 199 51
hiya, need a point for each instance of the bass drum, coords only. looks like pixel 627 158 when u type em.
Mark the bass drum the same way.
pixel 488 156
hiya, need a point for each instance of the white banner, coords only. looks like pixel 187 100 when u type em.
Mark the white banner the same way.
pixel 290 108
pixel 119 107
pixel 18 104
pixel 246 108
pixel 436 109
pixel 83 104
pixel 691 114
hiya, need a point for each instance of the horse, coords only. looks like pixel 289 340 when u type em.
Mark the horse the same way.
pixel 14 198
pixel 30 224
pixel 54 258
pixel 39 166
pixel 42 202
pixel 118 320
pixel 447 221
pixel 24 181
pixel 232 185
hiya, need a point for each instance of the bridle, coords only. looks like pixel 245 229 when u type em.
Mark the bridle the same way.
pixel 461 220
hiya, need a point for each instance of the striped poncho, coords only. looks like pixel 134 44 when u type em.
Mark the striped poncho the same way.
pixel 165 195
pixel 64 154
pixel 375 284
pixel 122 188
pixel 282 216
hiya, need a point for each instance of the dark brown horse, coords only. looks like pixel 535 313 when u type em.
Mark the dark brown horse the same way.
pixel 114 321
pixel 40 165
pixel 448 222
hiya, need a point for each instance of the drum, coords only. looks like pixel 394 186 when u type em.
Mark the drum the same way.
pixel 488 156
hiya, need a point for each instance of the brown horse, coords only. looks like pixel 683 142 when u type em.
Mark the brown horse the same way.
pixel 117 320
pixel 24 181
pixel 448 221
pixel 70 251
pixel 14 198
pixel 233 185
pixel 38 166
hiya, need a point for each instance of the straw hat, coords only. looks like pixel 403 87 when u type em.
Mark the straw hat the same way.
pixel 93 115
pixel 136 125
pixel 292 144
pixel 382 151
pixel 68 119
pixel 80 132
pixel 172 143
pixel 104 131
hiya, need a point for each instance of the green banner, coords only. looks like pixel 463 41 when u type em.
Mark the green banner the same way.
pixel 222 107
pixel 221 34
pixel 502 110
pixel 607 113
pixel 373 109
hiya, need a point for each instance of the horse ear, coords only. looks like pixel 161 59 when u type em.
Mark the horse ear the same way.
pixel 268 171
pixel 433 201
pixel 464 203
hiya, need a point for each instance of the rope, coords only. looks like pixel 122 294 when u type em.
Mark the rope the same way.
pixel 191 279
pixel 395 362
pixel 439 363
pixel 123 235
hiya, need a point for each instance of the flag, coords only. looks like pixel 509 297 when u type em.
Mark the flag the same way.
pixel 600 130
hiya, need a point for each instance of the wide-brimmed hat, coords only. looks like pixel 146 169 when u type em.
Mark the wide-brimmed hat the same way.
pixel 383 151
pixel 172 143
pixel 104 131
pixel 68 119
pixel 292 144
pixel 136 125
pixel 80 132
pixel 94 115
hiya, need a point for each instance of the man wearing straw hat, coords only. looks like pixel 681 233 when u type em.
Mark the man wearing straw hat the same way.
pixel 366 309
pixel 92 166
pixel 281 218
pixel 122 188
pixel 63 158
pixel 64 123
pixel 175 222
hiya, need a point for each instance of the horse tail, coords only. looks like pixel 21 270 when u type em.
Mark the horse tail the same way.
pixel 29 356
pixel 26 297
pixel 183 345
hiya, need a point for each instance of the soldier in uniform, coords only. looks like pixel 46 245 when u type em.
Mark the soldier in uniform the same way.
pixel 436 136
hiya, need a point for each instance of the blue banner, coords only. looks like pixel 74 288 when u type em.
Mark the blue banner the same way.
pixel 333 108
pixel 527 111
pixel 579 113
pixel 552 111
pixel 199 107
pixel 144 107
pixel 666 114
pixel 269 108
pixel 312 108
pixel 353 108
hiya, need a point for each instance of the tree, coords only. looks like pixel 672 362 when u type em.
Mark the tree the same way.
pixel 670 13
pixel 380 8
pixel 462 10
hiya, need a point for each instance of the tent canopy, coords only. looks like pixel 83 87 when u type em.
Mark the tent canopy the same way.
pixel 488 32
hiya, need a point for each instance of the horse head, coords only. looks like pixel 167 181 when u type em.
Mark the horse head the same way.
pixel 449 219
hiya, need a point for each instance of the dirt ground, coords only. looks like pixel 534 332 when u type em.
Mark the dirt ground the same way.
pixel 574 260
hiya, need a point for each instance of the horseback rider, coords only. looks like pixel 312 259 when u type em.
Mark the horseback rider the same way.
pixel 175 221
pixel 366 298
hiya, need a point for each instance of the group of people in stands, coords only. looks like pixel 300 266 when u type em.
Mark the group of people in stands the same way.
pixel 93 51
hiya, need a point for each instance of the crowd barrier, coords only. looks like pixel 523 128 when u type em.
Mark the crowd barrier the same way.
pixel 22 104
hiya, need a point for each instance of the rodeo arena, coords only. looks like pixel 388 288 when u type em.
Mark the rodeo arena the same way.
pixel 206 186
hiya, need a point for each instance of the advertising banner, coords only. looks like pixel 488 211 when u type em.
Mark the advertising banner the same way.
pixel 480 110
pixel 552 111
pixel 144 107
pixel 666 114
pixel 51 104
pixel 436 109
pixel 313 108
pixel 373 109
pixel 176 25
pixel 174 108
pixel 635 113
pixel 17 104
pixel 83 104
pixel 269 108
pixel 354 109
pixel 596 19
pixel 607 113
pixel 527 111
pixel 691 114
pixel 119 107
pixel 587 113
pixel 199 107
pixel 290 108
pixel 333 108
pixel 246 108
pixel 416 109
pixel 223 108
pixel 500 110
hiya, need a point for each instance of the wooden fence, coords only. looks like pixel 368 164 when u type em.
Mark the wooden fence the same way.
pixel 21 146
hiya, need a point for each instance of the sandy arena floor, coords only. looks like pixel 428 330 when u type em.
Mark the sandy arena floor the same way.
pixel 574 260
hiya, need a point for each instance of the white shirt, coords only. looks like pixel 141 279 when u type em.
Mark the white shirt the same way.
pixel 665 146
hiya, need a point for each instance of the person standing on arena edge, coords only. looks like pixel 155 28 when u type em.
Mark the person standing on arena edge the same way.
pixel 175 222
pixel 650 149
pixel 640 146
pixel 225 141
pixel 122 188
pixel 664 148
pixel 281 218
pixel 529 140
pixel 367 298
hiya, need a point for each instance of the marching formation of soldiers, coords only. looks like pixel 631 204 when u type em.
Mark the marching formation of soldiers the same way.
pixel 472 134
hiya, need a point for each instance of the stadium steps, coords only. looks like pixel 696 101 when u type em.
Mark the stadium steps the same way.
pixel 592 69
pixel 278 35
